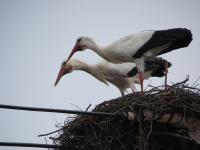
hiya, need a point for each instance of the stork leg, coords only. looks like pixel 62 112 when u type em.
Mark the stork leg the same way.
pixel 133 90
pixel 166 68
pixel 141 80
pixel 122 93
pixel 166 72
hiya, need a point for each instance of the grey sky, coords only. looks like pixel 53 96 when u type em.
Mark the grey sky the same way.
pixel 36 35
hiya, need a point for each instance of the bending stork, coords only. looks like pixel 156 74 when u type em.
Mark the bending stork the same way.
pixel 138 47
pixel 123 76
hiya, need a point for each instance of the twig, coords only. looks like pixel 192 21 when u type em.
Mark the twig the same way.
pixel 172 134
pixel 46 142
pixel 197 80
pixel 76 106
pixel 50 132
pixel 182 82
pixel 88 107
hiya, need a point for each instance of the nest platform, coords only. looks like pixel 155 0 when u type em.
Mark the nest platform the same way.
pixel 158 119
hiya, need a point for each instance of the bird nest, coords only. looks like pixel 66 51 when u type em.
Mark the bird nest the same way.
pixel 158 119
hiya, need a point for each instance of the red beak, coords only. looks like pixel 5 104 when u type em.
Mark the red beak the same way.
pixel 62 72
pixel 75 49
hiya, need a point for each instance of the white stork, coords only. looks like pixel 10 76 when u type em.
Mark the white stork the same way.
pixel 138 47
pixel 123 76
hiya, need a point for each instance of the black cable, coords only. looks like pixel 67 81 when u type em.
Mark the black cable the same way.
pixel 36 145
pixel 99 114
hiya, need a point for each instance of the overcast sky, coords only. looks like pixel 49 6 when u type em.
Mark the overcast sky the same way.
pixel 37 35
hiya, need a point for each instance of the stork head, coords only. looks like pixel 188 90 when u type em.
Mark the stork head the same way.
pixel 68 67
pixel 81 44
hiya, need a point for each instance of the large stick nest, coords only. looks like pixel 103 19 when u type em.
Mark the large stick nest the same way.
pixel 162 119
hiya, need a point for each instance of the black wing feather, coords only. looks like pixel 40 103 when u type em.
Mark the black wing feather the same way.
pixel 152 64
pixel 177 38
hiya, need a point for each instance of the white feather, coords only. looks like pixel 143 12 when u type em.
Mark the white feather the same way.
pixel 105 72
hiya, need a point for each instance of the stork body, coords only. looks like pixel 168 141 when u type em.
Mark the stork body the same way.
pixel 138 47
pixel 123 76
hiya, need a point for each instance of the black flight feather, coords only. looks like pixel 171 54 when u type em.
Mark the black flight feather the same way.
pixel 176 38
pixel 153 64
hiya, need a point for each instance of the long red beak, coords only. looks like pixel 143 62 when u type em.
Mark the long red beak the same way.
pixel 60 74
pixel 75 49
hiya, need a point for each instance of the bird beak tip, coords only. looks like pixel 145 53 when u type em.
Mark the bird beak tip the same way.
pixel 56 83
pixel 60 74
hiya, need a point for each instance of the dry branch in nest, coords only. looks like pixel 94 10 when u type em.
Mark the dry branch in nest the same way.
pixel 157 120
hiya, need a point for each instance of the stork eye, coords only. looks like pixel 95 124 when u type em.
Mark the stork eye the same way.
pixel 64 62
pixel 78 40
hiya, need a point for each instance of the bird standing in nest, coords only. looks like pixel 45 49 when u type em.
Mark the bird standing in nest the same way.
pixel 138 47
pixel 123 76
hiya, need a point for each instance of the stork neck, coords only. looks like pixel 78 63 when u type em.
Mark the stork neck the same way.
pixel 91 70
pixel 81 66
pixel 101 51
pixel 85 67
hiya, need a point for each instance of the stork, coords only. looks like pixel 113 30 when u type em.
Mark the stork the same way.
pixel 138 47
pixel 123 76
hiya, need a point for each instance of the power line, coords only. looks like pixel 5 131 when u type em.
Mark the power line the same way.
pixel 98 114
pixel 36 109
pixel 36 145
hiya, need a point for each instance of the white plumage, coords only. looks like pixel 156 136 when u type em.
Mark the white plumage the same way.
pixel 138 47
pixel 119 75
